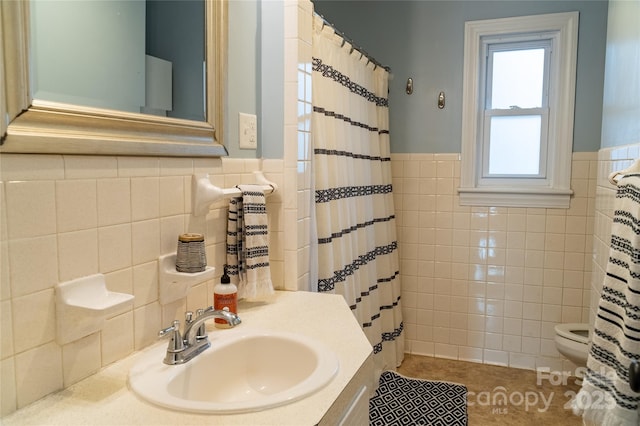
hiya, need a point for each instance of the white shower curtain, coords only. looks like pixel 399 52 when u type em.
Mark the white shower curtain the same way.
pixel 357 248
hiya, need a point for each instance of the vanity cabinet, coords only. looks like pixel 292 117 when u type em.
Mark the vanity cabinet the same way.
pixel 352 406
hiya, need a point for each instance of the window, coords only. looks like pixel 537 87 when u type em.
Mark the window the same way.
pixel 516 109
pixel 518 100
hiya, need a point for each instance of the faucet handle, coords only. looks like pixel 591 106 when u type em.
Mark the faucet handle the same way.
pixel 202 332
pixel 173 327
pixel 188 317
pixel 177 343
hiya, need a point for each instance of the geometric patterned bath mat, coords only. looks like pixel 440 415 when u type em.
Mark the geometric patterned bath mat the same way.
pixel 401 400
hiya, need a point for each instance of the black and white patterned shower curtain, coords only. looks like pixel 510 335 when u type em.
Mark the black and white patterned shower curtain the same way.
pixel 356 230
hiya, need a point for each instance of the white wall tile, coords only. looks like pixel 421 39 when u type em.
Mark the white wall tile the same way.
pixel 3 216
pixel 76 205
pixel 495 357
pixel 277 274
pixel 172 227
pixel 517 360
pixel 117 338
pixel 38 372
pixel 114 247
pixel 147 323
pixel 199 297
pixel 31 208
pixel 23 255
pixel 145 283
pixel 470 354
pixel 145 198
pixel 176 166
pixel 8 401
pixel 31 167
pixel 81 358
pixel 89 166
pixel 138 166
pixel 77 254
pixel 171 196
pixel 443 350
pixel 207 165
pixel 6 329
pixel 145 239
pixel 34 320
pixel 113 201
pixel 511 343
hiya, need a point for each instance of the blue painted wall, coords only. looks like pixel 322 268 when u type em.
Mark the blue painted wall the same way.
pixel 271 93
pixel 255 77
pixel 424 40
pixel 243 70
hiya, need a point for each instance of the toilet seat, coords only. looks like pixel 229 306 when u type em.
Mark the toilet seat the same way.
pixel 569 331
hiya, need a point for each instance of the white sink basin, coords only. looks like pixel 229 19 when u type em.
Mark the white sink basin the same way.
pixel 242 371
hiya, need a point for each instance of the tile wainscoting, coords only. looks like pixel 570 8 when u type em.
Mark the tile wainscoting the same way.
pixel 488 284
pixel 64 217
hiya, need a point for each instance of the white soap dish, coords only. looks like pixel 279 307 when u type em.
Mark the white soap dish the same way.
pixel 84 304
pixel 175 285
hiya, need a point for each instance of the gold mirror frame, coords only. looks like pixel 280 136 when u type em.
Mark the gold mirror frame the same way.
pixel 32 126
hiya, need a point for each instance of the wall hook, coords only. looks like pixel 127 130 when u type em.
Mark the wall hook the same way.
pixel 409 88
pixel 441 100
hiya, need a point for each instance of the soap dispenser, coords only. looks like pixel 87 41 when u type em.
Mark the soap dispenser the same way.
pixel 225 296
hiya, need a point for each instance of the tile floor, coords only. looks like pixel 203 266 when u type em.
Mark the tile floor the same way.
pixel 529 400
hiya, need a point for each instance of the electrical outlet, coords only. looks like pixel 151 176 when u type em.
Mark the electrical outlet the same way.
pixel 248 131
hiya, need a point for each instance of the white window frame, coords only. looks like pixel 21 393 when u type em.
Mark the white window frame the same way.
pixel 551 189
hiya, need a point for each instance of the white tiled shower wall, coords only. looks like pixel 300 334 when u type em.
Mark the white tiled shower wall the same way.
pixel 64 217
pixel 488 284
pixel 297 152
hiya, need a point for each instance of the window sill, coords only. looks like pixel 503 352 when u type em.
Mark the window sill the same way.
pixel 516 197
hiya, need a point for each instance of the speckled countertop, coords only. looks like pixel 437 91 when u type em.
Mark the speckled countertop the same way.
pixel 105 399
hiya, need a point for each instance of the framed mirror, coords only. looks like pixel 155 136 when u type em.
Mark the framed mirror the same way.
pixel 46 124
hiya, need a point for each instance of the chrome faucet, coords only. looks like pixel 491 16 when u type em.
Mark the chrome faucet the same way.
pixel 184 347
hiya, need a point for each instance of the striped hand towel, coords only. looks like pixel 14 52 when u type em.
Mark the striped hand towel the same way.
pixel 605 397
pixel 248 244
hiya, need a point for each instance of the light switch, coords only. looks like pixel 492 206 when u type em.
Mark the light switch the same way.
pixel 248 131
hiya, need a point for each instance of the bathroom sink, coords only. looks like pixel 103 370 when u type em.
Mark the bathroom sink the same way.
pixel 242 371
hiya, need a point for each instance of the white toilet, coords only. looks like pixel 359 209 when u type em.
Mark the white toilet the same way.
pixel 572 341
